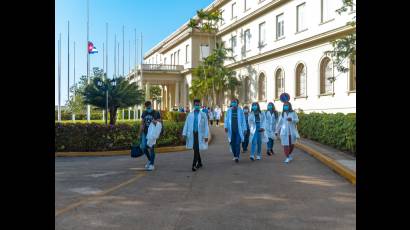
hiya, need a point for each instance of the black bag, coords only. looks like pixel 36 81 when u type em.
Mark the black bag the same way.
pixel 136 151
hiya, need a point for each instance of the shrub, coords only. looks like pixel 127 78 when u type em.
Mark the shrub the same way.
pixel 336 130
pixel 96 136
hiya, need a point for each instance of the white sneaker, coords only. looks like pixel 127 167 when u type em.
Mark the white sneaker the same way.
pixel 150 167
pixel 146 165
pixel 258 158
pixel 290 158
pixel 234 158
pixel 287 160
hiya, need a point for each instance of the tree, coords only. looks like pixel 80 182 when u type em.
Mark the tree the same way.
pixel 155 92
pixel 345 47
pixel 121 94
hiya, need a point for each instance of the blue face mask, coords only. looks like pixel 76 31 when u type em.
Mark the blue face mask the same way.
pixel 197 107
pixel 270 107
pixel 285 107
pixel 234 104
pixel 254 107
pixel 149 109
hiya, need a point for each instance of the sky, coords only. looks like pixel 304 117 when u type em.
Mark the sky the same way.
pixel 154 19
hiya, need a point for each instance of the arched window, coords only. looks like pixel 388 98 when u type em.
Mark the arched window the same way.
pixel 352 75
pixel 301 80
pixel 326 76
pixel 247 89
pixel 279 83
pixel 262 87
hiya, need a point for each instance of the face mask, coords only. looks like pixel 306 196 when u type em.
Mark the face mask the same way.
pixel 234 104
pixel 285 107
pixel 197 107
pixel 270 107
pixel 149 109
pixel 254 107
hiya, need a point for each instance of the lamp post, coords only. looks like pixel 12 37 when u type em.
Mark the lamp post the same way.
pixel 104 86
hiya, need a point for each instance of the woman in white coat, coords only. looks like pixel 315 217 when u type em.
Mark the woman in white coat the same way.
pixel 195 133
pixel 217 114
pixel 271 120
pixel 257 126
pixel 286 128
pixel 211 116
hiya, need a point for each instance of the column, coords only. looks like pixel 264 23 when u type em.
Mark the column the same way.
pixel 162 97
pixel 177 102
pixel 147 94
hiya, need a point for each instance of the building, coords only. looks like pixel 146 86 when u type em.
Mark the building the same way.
pixel 278 45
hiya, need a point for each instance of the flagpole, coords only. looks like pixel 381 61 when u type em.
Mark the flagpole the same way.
pixel 135 69
pixel 68 63
pixel 74 82
pixel 103 111
pixel 106 72
pixel 115 55
pixel 123 49
pixel 59 79
pixel 88 56
pixel 118 59
pixel 129 56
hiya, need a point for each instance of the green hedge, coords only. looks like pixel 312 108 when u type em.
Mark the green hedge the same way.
pixel 83 137
pixel 173 116
pixel 95 115
pixel 336 130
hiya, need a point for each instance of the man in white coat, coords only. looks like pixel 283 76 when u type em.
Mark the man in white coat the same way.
pixel 217 115
pixel 196 132
pixel 286 128
pixel 235 126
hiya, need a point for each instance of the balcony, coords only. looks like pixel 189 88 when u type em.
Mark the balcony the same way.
pixel 161 67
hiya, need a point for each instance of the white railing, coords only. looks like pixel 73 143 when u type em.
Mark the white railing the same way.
pixel 161 67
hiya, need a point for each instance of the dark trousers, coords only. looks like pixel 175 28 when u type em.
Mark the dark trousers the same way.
pixel 245 142
pixel 197 156
pixel 236 143
pixel 217 122
pixel 212 122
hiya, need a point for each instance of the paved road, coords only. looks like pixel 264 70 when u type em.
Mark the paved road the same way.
pixel 115 193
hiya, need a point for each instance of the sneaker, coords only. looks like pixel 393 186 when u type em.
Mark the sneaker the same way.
pixel 147 164
pixel 234 159
pixel 237 160
pixel 258 158
pixel 268 153
pixel 199 165
pixel 272 151
pixel 252 159
pixel 290 158
pixel 194 168
pixel 286 160
pixel 150 168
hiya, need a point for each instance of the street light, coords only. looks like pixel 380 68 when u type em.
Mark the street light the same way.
pixel 105 87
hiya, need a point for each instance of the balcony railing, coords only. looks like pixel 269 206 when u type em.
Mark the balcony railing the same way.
pixel 160 67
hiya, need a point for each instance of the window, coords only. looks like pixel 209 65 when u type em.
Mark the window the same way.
pixel 261 35
pixel 187 54
pixel 300 17
pixel 178 57
pixel 247 37
pixel 165 60
pixel 245 5
pixel 233 45
pixel 352 75
pixel 204 51
pixel 222 17
pixel 279 26
pixel 326 76
pixel 262 87
pixel 172 59
pixel 233 10
pixel 247 91
pixel 280 83
pixel 328 10
pixel 301 80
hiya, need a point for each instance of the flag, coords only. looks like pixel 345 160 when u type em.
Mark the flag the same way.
pixel 91 48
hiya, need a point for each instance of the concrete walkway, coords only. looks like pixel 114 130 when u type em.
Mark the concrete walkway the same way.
pixel 115 192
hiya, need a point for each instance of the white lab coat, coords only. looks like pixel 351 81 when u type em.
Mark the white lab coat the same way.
pixel 211 114
pixel 217 113
pixel 203 130
pixel 285 128
pixel 153 133
pixel 241 123
pixel 270 124
pixel 252 126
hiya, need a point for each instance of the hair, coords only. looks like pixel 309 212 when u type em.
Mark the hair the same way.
pixel 235 99
pixel 274 109
pixel 246 107
pixel 147 103
pixel 290 108
pixel 197 100
pixel 259 108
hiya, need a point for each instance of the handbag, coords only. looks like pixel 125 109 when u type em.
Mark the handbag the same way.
pixel 136 151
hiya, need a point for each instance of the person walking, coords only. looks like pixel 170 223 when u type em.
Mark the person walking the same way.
pixel 245 142
pixel 217 115
pixel 235 127
pixel 257 125
pixel 271 119
pixel 286 128
pixel 196 133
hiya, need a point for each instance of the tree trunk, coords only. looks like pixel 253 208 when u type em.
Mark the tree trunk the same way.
pixel 113 116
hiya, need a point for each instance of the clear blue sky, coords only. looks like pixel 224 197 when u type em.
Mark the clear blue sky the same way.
pixel 155 19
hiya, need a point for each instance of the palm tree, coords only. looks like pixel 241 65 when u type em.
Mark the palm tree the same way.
pixel 121 94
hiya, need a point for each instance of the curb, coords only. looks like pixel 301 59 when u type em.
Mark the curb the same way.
pixel 169 149
pixel 334 165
